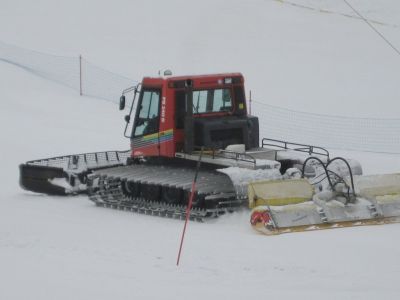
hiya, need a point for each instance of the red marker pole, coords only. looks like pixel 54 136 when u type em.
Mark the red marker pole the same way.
pixel 189 207
pixel 80 75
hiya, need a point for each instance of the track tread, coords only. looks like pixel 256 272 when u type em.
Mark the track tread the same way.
pixel 105 190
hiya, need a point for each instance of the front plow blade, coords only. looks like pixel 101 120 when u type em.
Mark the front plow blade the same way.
pixel 377 202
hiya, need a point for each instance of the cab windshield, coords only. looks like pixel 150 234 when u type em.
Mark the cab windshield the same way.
pixel 148 114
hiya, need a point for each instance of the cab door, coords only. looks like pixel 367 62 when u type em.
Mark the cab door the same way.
pixel 145 139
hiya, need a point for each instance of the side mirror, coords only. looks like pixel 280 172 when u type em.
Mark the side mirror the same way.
pixel 122 102
pixel 127 118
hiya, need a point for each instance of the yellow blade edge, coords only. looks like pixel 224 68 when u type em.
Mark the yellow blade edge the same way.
pixel 269 230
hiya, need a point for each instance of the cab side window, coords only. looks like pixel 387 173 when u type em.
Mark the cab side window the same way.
pixel 212 100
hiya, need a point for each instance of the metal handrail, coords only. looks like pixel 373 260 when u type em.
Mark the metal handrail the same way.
pixel 68 160
pixel 292 146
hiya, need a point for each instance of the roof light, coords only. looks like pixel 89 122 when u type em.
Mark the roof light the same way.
pixel 228 80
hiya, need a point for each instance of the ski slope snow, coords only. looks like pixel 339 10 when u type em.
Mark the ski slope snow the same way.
pixel 66 248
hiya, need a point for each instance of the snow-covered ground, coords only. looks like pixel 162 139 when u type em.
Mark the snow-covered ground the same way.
pixel 66 248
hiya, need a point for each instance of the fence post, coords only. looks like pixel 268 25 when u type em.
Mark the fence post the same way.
pixel 80 75
pixel 250 103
